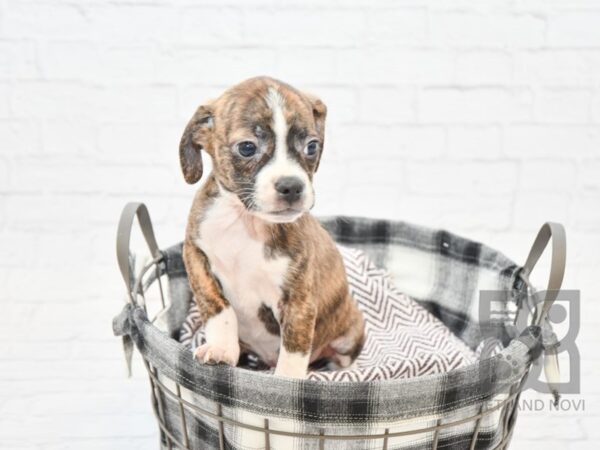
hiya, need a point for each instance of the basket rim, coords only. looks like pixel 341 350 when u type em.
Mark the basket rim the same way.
pixel 201 379
pixel 507 351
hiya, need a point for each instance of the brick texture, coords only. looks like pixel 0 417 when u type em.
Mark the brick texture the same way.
pixel 479 117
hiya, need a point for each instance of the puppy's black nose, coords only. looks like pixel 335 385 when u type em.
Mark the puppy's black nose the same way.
pixel 289 188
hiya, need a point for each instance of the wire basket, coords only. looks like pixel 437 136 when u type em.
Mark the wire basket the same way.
pixel 201 406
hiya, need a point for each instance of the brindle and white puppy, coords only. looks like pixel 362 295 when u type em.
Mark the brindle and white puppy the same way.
pixel 263 271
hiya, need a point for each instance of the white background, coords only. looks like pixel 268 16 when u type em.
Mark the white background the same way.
pixel 479 117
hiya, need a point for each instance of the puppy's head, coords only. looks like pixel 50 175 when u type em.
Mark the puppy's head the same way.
pixel 265 139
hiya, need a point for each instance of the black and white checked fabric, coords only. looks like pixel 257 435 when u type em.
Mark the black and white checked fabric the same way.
pixel 444 273
pixel 403 339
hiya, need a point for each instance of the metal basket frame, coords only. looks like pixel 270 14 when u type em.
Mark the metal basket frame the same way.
pixel 152 272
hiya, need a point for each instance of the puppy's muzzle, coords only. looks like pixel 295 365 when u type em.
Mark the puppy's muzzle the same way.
pixel 289 189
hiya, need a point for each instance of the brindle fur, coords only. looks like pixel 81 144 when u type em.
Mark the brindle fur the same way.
pixel 266 316
pixel 315 306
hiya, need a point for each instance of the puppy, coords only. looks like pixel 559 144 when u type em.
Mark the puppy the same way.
pixel 266 276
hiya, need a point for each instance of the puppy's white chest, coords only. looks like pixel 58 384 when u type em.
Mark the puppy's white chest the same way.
pixel 250 278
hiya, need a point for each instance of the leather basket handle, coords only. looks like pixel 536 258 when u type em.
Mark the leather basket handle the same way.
pixel 130 211
pixel 554 232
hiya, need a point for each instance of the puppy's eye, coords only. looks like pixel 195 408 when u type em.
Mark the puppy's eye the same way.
pixel 246 148
pixel 311 148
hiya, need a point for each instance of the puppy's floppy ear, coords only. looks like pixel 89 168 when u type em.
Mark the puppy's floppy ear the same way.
pixel 319 111
pixel 196 136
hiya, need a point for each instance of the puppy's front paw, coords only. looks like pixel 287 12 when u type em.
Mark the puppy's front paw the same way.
pixel 292 365
pixel 299 374
pixel 214 354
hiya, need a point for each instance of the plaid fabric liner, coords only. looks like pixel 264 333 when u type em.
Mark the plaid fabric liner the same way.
pixel 442 271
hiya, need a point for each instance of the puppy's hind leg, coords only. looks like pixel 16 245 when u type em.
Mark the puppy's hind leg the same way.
pixel 348 346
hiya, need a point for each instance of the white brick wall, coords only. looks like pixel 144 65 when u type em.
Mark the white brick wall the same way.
pixel 481 117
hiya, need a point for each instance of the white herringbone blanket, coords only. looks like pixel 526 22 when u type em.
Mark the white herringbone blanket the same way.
pixel 403 339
